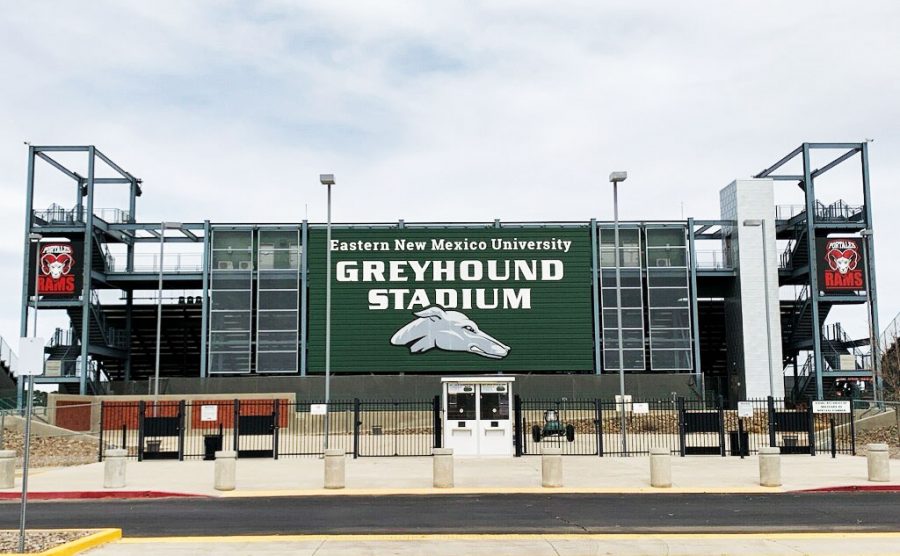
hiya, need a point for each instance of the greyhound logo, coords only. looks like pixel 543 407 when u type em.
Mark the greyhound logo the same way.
pixel 449 331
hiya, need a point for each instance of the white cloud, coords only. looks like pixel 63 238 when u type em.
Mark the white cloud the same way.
pixel 443 111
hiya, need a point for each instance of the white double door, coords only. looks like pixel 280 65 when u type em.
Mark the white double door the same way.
pixel 477 419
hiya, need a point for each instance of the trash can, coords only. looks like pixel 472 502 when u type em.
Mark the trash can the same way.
pixel 745 443
pixel 212 443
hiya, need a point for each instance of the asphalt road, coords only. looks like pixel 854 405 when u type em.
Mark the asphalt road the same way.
pixel 521 513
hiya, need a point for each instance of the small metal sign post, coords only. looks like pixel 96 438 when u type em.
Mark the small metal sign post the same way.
pixel 31 364
pixel 745 409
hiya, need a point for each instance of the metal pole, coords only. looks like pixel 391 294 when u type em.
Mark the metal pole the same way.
pixel 768 313
pixel 25 463
pixel 328 318
pixel 616 251
pixel 29 409
pixel 162 244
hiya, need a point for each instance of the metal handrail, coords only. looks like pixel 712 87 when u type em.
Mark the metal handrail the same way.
pixel 715 259
pixel 8 356
pixel 149 262
pixel 56 214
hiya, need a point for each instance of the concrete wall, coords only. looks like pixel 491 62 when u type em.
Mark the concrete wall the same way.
pixel 419 387
pixel 746 315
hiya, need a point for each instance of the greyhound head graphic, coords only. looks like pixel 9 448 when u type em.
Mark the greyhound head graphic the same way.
pixel 449 331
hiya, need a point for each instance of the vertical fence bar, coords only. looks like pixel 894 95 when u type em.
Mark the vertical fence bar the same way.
pixel 682 436
pixel 720 407
pixel 100 448
pixel 740 439
pixel 438 423
pixel 236 411
pixel 833 438
pixel 770 405
pixel 181 431
pixel 276 416
pixel 124 437
pixel 811 419
pixel 356 424
pixel 853 429
pixel 142 408
pixel 598 426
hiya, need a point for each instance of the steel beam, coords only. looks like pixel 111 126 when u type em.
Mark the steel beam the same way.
pixel 695 324
pixel 204 304
pixel 598 366
pixel 112 164
pixel 62 148
pixel 60 167
pixel 304 240
pixel 818 172
pixel 810 192
pixel 86 289
pixel 870 267
pixel 29 214
pixel 765 173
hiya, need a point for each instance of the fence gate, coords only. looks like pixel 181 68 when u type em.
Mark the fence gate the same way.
pixel 256 430
pixel 161 430
pixel 396 428
pixel 701 431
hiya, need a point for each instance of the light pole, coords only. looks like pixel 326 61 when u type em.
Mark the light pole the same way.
pixel 762 227
pixel 36 239
pixel 615 178
pixel 327 180
pixel 162 247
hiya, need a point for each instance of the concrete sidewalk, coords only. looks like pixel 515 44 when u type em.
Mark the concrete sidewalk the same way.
pixel 515 545
pixel 397 475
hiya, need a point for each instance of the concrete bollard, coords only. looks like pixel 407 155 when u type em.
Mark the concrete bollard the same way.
pixel 551 467
pixel 877 459
pixel 769 466
pixel 443 467
pixel 114 468
pixel 660 467
pixel 7 468
pixel 225 470
pixel 335 468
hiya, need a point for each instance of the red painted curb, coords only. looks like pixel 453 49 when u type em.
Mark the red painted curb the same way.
pixel 98 494
pixel 855 488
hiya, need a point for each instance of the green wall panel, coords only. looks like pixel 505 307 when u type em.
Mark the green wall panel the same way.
pixel 554 334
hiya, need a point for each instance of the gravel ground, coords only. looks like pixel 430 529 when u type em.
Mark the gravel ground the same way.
pixel 886 435
pixel 37 541
pixel 52 451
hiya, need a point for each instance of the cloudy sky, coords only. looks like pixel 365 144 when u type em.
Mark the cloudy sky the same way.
pixel 444 110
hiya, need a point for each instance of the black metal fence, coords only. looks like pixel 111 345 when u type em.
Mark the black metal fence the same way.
pixel 274 428
pixel 269 428
pixel 594 427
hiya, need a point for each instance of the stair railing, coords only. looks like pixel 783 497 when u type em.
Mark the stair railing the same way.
pixel 8 357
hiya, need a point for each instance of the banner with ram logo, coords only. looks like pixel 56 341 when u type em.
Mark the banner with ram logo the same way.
pixel 841 265
pixel 59 268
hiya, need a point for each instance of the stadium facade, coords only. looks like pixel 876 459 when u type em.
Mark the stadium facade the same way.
pixel 736 306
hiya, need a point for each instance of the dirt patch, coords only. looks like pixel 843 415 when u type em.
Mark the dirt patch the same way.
pixel 51 451
pixel 38 541
pixel 884 435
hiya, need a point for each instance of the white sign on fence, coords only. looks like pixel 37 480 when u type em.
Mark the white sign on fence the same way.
pixel 318 409
pixel 209 413
pixel 831 406
pixel 640 407
pixel 745 409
